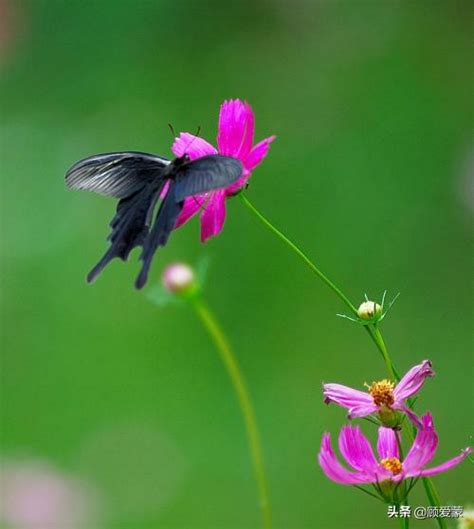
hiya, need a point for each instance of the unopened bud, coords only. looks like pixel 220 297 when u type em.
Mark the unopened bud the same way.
pixel 179 278
pixel 369 310
pixel 388 417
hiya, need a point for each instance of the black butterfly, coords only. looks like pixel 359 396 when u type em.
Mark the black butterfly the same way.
pixel 138 180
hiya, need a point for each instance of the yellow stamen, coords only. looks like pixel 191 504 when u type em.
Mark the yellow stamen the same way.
pixel 393 464
pixel 382 392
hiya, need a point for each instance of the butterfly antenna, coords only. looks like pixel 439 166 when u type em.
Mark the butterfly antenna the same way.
pixel 172 130
pixel 195 137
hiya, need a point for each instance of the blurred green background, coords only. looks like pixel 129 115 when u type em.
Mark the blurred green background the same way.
pixel 371 103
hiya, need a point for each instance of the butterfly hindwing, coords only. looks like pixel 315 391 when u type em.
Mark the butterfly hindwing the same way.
pixel 159 234
pixel 129 226
pixel 118 174
pixel 206 174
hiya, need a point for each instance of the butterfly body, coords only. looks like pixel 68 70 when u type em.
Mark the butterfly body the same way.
pixel 141 181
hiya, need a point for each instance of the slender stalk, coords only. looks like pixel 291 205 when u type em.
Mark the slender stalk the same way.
pixel 383 349
pixel 434 499
pixel 230 362
pixel 399 444
pixel 373 330
pixel 404 523
pixel 374 334
pixel 298 252
pixel 369 493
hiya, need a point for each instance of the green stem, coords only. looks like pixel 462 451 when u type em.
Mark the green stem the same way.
pixel 404 523
pixel 369 493
pixel 434 499
pixel 370 332
pixel 298 252
pixel 399 444
pixel 230 362
pixel 374 334
pixel 373 331
pixel 377 335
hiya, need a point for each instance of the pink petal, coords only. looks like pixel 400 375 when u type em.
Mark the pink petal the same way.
pixel 361 411
pixel 192 205
pixel 213 216
pixel 333 469
pixel 413 380
pixel 257 154
pixel 249 131
pixel 233 188
pixel 357 451
pixel 360 404
pixel 409 412
pixel 444 466
pixel 235 132
pixel 387 443
pixel 191 145
pixel 423 448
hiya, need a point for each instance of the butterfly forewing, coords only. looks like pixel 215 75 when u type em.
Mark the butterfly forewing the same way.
pixel 206 174
pixel 130 225
pixel 117 174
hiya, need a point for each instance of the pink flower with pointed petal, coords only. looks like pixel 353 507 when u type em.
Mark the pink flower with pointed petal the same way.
pixel 383 397
pixel 234 138
pixel 388 467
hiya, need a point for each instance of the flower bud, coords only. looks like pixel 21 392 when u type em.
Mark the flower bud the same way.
pixel 369 310
pixel 388 417
pixel 393 491
pixel 179 278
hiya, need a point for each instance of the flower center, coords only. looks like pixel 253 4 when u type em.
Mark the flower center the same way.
pixel 382 392
pixel 393 464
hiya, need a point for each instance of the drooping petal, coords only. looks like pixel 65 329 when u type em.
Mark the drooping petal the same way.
pixel 444 466
pixel 360 404
pixel 213 216
pixel 387 445
pixel 400 405
pixel 257 154
pixel 236 124
pixel 345 396
pixel 333 469
pixel 361 411
pixel 423 447
pixel 413 380
pixel 192 205
pixel 357 451
pixel 191 145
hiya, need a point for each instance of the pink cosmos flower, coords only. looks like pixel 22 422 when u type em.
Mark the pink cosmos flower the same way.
pixel 382 396
pixel 234 138
pixel 388 467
